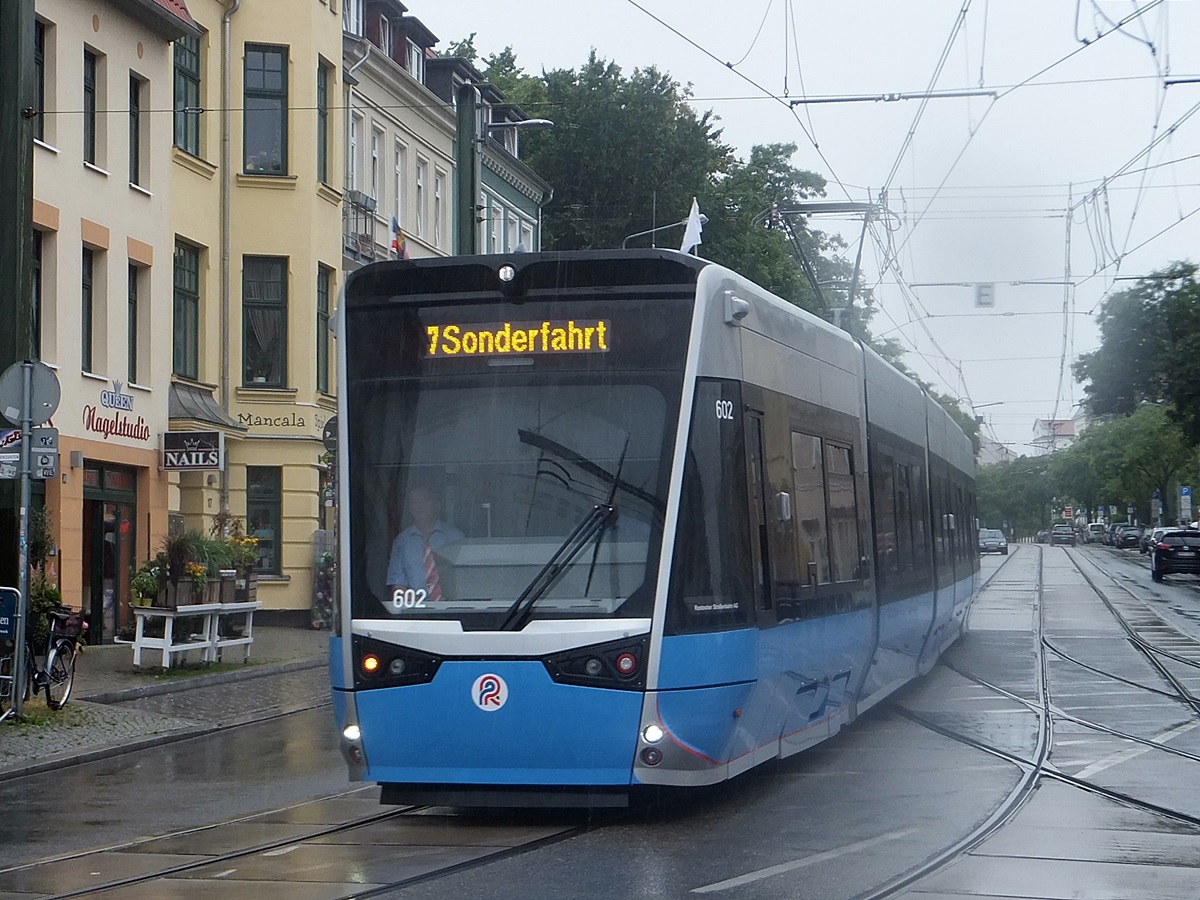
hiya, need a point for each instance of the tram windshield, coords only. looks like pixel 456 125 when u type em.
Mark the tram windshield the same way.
pixel 493 488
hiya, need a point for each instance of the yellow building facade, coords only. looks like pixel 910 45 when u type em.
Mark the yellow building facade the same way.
pixel 256 168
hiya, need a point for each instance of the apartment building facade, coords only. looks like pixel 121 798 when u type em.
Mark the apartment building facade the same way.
pixel 399 139
pixel 102 283
pixel 256 170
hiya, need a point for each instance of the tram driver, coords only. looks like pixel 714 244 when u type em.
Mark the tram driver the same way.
pixel 412 564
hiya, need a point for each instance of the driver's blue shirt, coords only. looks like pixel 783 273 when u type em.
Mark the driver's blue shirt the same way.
pixel 406 566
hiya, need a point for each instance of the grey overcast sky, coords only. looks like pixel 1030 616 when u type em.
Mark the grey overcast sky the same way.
pixel 1084 166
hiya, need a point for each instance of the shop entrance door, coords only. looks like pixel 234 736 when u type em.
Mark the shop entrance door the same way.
pixel 109 514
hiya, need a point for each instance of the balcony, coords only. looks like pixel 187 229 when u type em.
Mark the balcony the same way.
pixel 364 238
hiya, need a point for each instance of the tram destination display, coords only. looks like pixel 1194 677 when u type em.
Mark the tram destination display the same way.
pixel 455 339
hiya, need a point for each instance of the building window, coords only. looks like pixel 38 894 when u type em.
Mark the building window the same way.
pixel 187 94
pixel 265 117
pixel 324 277
pixel 39 65
pixel 414 58
pixel 438 191
pixel 352 17
pixel 87 303
pixel 133 324
pixel 89 106
pixel 399 166
pixel 323 123
pixel 264 321
pixel 419 198
pixel 385 35
pixel 185 351
pixel 264 513
pixel 36 319
pixel 352 162
pixel 376 163
pixel 135 130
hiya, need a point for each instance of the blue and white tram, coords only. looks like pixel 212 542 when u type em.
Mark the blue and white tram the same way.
pixel 660 526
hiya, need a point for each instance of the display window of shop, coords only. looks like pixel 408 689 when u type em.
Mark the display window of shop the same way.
pixel 264 514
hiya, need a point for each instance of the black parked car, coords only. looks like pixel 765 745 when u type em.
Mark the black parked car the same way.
pixel 1177 551
pixel 1062 534
pixel 1128 538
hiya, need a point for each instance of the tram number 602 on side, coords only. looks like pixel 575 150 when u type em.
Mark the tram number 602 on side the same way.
pixel 407 598
pixel 725 410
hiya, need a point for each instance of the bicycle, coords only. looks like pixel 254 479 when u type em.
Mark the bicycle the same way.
pixel 56 678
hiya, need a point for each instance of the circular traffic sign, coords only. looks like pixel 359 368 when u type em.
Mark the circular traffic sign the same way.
pixel 329 435
pixel 44 393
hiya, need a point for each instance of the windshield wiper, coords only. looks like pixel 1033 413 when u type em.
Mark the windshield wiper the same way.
pixel 518 614
pixel 612 495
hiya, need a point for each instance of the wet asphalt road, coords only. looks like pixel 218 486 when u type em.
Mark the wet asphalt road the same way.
pixel 835 822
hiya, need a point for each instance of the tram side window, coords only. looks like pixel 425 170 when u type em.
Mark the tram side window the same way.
pixel 844 545
pixel 812 535
pixel 710 578
pixel 904 525
pixel 916 482
pixel 885 515
pixel 939 521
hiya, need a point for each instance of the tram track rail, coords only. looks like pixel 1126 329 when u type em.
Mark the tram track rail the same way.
pixel 1008 807
pixel 280 848
pixel 1038 768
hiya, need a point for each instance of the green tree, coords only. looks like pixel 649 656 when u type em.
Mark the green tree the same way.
pixel 1020 492
pixel 1149 349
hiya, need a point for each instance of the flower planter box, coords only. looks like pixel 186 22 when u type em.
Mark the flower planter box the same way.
pixel 247 589
pixel 176 594
pixel 228 584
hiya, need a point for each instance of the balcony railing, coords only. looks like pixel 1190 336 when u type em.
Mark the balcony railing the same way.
pixel 364 238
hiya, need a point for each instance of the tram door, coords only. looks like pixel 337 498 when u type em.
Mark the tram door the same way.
pixel 109 509
pixel 760 544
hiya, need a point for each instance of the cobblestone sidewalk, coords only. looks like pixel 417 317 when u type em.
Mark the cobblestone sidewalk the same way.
pixel 287 673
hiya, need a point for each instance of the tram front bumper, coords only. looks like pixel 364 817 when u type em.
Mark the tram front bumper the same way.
pixel 498 723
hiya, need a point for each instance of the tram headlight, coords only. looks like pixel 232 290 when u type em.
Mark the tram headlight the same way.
pixel 593 666
pixel 652 734
pixel 370 664
pixel 396 666
pixel 352 733
pixel 507 273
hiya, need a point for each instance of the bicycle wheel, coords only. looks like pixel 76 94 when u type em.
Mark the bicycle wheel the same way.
pixel 60 673
pixel 7 685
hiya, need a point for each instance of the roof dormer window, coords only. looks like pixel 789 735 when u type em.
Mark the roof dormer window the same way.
pixel 385 34
pixel 414 61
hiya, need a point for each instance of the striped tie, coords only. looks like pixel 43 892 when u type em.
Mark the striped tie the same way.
pixel 431 574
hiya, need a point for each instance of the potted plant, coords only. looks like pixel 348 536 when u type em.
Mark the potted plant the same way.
pixel 148 580
pixel 182 553
pixel 243 551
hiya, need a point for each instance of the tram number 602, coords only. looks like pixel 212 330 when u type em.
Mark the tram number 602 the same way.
pixel 407 598
pixel 725 409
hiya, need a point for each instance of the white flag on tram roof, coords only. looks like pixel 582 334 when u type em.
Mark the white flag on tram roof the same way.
pixel 691 234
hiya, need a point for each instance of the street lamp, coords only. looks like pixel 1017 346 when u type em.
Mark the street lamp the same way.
pixel 628 238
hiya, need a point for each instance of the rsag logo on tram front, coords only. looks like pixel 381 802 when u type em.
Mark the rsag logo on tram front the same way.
pixel 489 692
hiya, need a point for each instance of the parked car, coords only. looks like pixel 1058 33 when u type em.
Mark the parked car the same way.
pixel 1151 537
pixel 1043 536
pixel 1062 534
pixel 1128 537
pixel 1177 551
pixel 992 540
pixel 1096 532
